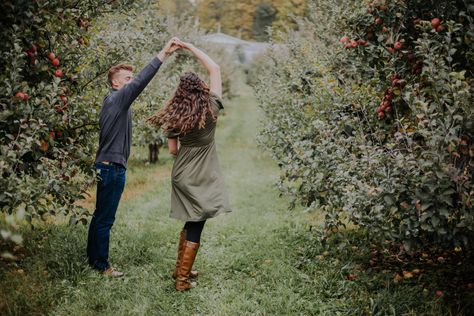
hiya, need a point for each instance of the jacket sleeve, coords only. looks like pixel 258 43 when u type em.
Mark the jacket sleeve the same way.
pixel 124 97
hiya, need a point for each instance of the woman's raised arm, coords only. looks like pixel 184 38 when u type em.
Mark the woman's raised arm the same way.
pixel 211 66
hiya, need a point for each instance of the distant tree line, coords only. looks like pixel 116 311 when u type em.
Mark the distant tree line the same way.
pixel 248 19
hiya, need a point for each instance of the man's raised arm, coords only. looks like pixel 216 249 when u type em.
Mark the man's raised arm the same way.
pixel 124 97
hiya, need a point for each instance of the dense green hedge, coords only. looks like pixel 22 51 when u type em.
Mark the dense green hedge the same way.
pixel 369 114
pixel 49 101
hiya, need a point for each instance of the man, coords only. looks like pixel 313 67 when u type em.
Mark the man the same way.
pixel 115 122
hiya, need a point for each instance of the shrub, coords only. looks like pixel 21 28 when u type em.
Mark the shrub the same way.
pixel 369 114
pixel 48 106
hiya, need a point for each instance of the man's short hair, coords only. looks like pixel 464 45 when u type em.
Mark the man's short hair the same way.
pixel 115 69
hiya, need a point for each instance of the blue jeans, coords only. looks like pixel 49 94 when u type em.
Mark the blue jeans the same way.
pixel 110 184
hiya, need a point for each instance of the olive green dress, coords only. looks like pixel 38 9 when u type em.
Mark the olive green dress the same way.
pixel 197 183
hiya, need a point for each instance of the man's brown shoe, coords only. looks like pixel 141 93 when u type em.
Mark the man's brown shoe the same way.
pixel 112 272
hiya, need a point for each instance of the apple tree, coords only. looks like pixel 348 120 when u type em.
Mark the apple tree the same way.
pixel 51 59
pixel 368 111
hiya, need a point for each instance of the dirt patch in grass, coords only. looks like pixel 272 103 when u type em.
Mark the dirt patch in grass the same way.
pixel 137 183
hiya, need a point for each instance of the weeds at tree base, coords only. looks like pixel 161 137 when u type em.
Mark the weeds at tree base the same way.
pixel 443 277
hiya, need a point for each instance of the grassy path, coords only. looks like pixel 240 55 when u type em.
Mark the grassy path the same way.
pixel 259 260
pixel 242 259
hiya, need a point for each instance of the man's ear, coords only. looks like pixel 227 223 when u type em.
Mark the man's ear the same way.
pixel 114 83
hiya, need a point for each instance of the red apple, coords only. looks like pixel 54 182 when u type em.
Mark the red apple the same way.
pixel 435 22
pixel 51 56
pixel 439 293
pixel 51 135
pixel 384 29
pixel 417 70
pixel 381 115
pixel 397 45
pixel 344 39
pixel 58 109
pixel 378 20
pixel 21 95
pixel 439 28
pixel 354 43
pixel 55 62
pixel 383 8
pixel 58 73
pixel 59 134
pixel 63 98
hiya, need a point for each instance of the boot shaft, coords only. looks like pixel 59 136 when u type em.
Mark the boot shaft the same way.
pixel 190 250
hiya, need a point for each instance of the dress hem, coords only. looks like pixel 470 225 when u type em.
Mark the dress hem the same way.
pixel 200 219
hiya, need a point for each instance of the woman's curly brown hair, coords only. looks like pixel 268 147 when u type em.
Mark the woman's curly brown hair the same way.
pixel 189 106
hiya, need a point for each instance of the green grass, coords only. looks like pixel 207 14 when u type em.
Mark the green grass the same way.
pixel 261 259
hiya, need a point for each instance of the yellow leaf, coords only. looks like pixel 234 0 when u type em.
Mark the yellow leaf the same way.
pixel 44 146
pixel 407 275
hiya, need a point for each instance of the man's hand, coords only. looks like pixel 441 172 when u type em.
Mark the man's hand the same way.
pixel 184 44
pixel 172 45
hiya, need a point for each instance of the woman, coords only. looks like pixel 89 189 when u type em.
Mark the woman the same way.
pixel 198 191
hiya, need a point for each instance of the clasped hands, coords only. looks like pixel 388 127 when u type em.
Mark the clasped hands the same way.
pixel 172 45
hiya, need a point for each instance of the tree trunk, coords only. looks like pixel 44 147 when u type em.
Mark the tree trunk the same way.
pixel 154 150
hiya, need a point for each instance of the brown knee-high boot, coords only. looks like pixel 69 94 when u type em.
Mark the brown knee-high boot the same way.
pixel 190 250
pixel 182 239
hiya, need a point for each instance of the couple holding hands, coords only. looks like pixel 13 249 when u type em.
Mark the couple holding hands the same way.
pixel 188 120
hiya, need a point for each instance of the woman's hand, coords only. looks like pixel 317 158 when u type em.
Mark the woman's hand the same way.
pixel 185 45
pixel 173 146
pixel 170 47
pixel 211 66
